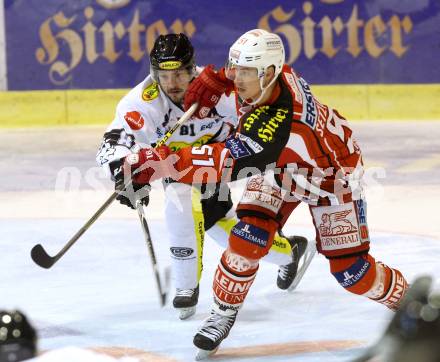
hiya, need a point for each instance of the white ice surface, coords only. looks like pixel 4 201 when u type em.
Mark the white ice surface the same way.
pixel 103 294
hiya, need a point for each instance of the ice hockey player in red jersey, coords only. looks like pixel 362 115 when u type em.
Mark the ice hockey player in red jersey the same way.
pixel 143 116
pixel 287 138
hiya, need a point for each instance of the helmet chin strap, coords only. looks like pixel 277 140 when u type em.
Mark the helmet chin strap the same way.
pixel 263 90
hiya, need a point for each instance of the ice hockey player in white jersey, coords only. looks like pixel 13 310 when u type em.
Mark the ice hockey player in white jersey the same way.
pixel 143 116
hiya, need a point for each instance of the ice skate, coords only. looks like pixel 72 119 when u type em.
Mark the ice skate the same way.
pixel 290 275
pixel 185 302
pixel 213 331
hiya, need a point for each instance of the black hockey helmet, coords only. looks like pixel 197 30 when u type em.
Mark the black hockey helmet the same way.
pixel 18 339
pixel 172 52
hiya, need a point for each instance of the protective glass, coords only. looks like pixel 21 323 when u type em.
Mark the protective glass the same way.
pixel 239 73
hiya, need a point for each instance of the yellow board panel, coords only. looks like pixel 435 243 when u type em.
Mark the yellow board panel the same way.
pixel 92 106
pixel 36 108
pixel 404 102
pixel 374 102
pixel 379 102
pixel 351 101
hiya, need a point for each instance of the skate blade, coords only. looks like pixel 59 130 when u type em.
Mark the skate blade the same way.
pixel 185 313
pixel 305 262
pixel 204 354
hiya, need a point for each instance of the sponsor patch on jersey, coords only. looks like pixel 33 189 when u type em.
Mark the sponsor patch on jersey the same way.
pixel 176 146
pixel 269 127
pixel 151 92
pixel 159 132
pixel 361 206
pixel 106 153
pixel 338 227
pixel 352 275
pixel 134 120
pixel 254 116
pixel 262 194
pixel 310 112
pixel 209 125
pixel 293 86
pixel 251 233
pixel 253 145
pixel 237 148
pixel 170 65
pixel 180 252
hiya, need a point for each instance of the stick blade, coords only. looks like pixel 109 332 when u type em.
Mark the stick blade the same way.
pixel 41 258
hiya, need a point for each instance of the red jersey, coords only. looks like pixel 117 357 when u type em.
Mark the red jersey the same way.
pixel 309 145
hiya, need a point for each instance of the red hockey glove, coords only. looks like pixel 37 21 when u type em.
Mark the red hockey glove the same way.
pixel 207 89
pixel 149 164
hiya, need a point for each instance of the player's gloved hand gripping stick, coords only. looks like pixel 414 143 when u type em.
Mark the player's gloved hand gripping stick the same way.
pixel 43 259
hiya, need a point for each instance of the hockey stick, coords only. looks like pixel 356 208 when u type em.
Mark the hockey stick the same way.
pixel 162 290
pixel 39 254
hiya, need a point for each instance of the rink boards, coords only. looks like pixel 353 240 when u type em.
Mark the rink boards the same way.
pixel 88 107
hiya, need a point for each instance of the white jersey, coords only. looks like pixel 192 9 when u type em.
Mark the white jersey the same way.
pixel 143 117
pixel 145 114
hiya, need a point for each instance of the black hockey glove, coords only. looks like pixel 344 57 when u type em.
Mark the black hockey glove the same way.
pixel 128 195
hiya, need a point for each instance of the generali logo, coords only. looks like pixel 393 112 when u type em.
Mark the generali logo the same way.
pixel 134 120
pixel 336 223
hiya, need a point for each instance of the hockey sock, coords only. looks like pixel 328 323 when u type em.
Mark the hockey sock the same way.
pixel 364 276
pixel 233 278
